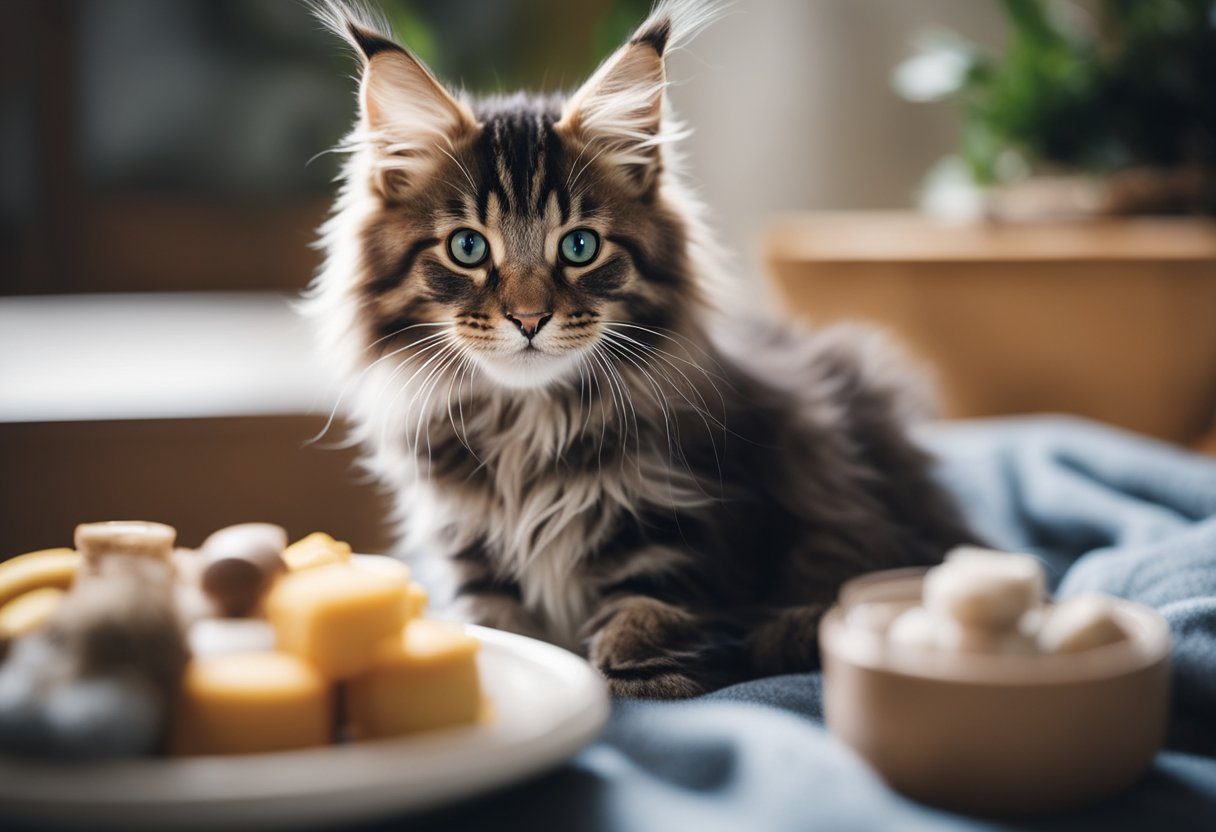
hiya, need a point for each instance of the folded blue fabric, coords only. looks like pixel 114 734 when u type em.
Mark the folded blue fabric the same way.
pixel 1110 512
pixel 1106 511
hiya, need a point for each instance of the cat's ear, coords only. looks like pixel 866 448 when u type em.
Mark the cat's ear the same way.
pixel 407 118
pixel 618 112
pixel 401 99
pixel 621 109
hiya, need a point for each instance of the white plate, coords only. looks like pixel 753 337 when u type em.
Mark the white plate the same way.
pixel 547 704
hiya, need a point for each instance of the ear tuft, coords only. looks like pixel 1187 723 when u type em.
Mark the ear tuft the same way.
pixel 672 23
pixel 655 35
pixel 357 23
pixel 620 109
pixel 370 43
pixel 408 120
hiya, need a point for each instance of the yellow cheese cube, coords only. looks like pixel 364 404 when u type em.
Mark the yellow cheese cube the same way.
pixel 382 565
pixel 246 703
pixel 416 597
pixel 416 600
pixel 318 549
pixel 28 612
pixel 426 678
pixel 336 616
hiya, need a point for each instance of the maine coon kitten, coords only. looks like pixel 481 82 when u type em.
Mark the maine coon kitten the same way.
pixel 522 291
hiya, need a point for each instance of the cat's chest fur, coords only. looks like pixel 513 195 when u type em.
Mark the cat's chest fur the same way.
pixel 533 487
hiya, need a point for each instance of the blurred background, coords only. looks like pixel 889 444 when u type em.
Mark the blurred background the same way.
pixel 1022 190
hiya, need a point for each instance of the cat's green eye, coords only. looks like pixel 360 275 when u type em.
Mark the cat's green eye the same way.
pixel 468 247
pixel 579 247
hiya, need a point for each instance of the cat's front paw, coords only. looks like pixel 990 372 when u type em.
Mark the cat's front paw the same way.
pixel 644 651
pixel 664 685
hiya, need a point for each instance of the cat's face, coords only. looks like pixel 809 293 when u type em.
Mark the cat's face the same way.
pixel 517 234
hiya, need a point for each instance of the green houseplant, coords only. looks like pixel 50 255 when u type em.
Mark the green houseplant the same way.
pixel 1107 106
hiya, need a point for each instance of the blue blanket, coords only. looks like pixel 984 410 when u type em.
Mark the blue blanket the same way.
pixel 1108 511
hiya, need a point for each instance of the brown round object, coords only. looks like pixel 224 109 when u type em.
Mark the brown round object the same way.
pixel 95 541
pixel 235 585
pixel 245 536
pixel 995 734
pixel 241 561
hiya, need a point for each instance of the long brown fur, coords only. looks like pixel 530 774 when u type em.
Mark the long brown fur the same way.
pixel 675 492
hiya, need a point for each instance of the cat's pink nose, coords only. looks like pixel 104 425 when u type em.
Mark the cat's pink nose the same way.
pixel 529 323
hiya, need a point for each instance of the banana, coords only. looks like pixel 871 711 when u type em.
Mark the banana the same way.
pixel 34 570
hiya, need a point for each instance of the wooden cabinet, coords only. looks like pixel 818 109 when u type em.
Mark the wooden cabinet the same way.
pixel 1111 319
pixel 195 474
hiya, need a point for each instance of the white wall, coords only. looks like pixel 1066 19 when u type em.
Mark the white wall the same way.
pixel 793 109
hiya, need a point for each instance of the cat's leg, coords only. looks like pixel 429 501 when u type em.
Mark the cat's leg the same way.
pixel 786 641
pixel 654 633
pixel 485 597
pixel 642 637
pixel 783 633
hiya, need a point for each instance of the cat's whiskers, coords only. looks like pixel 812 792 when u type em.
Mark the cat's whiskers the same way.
pixel 409 413
pixel 421 347
pixel 333 412
pixel 584 381
pixel 437 350
pixel 423 413
pixel 436 341
pixel 599 365
pixel 641 349
pixel 704 416
pixel 708 376
pixel 571 185
pixel 599 395
pixel 618 403
pixel 425 388
pixel 626 351
pixel 669 357
pixel 458 381
pixel 457 361
pixel 626 394
pixel 460 166
pixel 676 338
pixel 471 368
pixel 439 360
pixel 648 356
pixel 673 442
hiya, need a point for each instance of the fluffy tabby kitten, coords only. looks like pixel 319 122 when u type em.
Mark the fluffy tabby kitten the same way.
pixel 522 290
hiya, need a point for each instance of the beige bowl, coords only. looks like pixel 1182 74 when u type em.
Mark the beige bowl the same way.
pixel 995 735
